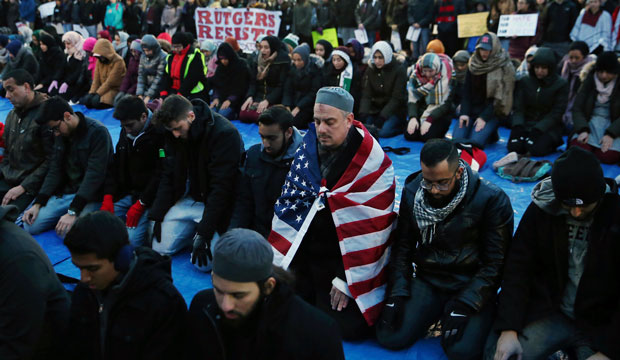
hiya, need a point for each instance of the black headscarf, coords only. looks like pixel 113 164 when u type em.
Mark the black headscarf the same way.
pixel 328 48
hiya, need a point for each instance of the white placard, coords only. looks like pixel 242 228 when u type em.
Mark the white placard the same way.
pixel 395 40
pixel 47 9
pixel 245 25
pixel 517 25
pixel 360 35
pixel 413 34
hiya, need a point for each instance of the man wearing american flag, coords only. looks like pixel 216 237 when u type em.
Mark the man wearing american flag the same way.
pixel 333 220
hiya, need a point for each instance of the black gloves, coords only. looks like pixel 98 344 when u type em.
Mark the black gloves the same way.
pixel 455 318
pixel 201 252
pixel 392 316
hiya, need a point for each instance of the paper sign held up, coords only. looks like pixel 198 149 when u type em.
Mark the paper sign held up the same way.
pixel 517 25
pixel 360 35
pixel 470 25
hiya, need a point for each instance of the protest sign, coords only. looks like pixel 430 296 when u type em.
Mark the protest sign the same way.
pixel 360 35
pixel 47 9
pixel 413 34
pixel 517 25
pixel 245 25
pixel 472 24
pixel 331 35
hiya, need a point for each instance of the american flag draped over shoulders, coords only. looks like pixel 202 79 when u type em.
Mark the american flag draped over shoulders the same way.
pixel 362 207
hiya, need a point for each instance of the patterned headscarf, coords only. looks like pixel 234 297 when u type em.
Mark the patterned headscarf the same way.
pixel 77 42
pixel 435 90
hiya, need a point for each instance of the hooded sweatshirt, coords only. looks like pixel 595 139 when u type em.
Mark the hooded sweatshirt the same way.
pixel 53 61
pixel 230 82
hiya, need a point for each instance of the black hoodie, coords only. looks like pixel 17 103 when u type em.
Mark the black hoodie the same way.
pixel 53 61
pixel 141 316
pixel 230 82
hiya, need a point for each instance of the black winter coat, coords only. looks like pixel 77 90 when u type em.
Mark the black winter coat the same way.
pixel 76 74
pixel 345 16
pixel 195 75
pixel 136 168
pixel 90 151
pixel 384 90
pixel 35 305
pixel 272 86
pixel 89 12
pixel 260 185
pixel 286 328
pixel 584 105
pixel 421 12
pixel 230 82
pixel 368 13
pixel 540 104
pixel 132 19
pixel 301 87
pixel 211 156
pixel 142 317
pixel 466 256
pixel 537 272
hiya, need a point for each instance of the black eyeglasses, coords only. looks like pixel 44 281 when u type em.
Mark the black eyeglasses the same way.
pixel 442 185
pixel 55 128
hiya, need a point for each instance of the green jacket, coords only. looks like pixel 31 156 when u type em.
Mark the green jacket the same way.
pixel 540 104
pixel 27 148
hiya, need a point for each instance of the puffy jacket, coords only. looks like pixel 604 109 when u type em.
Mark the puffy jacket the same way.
pixel 136 168
pixel 141 317
pixel 466 256
pixel 540 104
pixel 584 105
pixel 108 77
pixel 260 186
pixel 151 69
pixel 536 270
pixel 384 91
pixel 27 149
pixel 301 86
pixel 85 159
pixel 211 158
pixel 277 335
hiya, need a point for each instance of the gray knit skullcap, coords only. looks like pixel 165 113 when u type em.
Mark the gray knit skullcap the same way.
pixel 242 255
pixel 336 97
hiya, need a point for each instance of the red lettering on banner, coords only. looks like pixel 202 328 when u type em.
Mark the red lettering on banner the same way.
pixel 271 32
pixel 272 20
pixel 247 18
pixel 219 33
pixel 218 18
pixel 240 35
pixel 229 32
pixel 227 18
pixel 204 17
pixel 204 32
pixel 260 19
pixel 257 32
pixel 237 18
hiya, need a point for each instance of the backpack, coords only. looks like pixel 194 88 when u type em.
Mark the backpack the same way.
pixel 525 170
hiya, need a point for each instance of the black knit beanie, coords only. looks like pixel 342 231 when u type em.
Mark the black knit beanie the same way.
pixel 608 61
pixel 577 178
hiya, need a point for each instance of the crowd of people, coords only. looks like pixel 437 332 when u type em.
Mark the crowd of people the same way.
pixel 299 231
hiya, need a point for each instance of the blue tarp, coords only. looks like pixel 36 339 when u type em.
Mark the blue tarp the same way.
pixel 189 281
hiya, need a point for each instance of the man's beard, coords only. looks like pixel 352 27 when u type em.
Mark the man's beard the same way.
pixel 441 202
pixel 242 320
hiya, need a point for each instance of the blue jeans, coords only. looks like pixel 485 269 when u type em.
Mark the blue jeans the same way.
pixel 419 47
pixel 179 226
pixel 137 235
pixel 468 133
pixel 371 37
pixel 394 125
pixel 423 308
pixel 55 208
pixel 227 113
pixel 542 338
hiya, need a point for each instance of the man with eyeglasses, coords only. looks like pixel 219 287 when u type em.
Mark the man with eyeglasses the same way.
pixel 27 144
pixel 196 192
pixel 456 228
pixel 74 182
pixel 561 286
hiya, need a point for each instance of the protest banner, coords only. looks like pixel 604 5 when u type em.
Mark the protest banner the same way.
pixel 245 25
pixel 470 25
pixel 47 9
pixel 517 25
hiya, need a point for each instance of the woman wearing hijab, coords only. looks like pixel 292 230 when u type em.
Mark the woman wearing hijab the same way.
pixel 52 63
pixel 75 78
pixel 120 43
pixel 342 72
pixel 229 83
pixel 593 26
pixel 208 49
pixel 460 60
pixel 20 57
pixel 302 83
pixel 488 93
pixel 356 53
pixel 323 48
pixel 88 46
pixel 130 81
pixel 235 45
pixel 524 68
pixel 573 65
pixel 596 112
pixel 109 73
pixel 428 105
pixel 267 78
pixel 384 92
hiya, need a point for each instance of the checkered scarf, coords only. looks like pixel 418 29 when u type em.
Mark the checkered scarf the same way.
pixel 427 216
